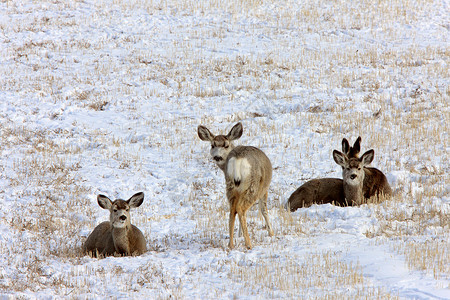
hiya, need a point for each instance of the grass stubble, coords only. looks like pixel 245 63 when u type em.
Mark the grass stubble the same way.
pixel 54 198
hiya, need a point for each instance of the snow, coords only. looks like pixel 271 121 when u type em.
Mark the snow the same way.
pixel 104 97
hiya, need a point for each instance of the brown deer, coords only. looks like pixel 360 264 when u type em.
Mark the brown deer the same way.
pixel 318 191
pixel 248 173
pixel 332 190
pixel 117 236
pixel 361 183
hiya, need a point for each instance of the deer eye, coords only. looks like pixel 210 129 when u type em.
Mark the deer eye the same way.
pixel 226 146
pixel 212 146
pixel 359 169
pixel 127 209
pixel 115 209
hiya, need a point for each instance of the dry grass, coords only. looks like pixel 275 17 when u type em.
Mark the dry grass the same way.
pixel 315 70
pixel 313 276
pixel 49 197
pixel 417 228
pixel 431 256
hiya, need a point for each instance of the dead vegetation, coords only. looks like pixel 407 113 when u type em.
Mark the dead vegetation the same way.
pixel 316 71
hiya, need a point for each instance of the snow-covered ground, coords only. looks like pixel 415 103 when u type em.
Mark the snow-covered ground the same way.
pixel 106 96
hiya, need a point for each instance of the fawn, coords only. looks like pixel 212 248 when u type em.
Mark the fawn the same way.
pixel 248 173
pixel 117 236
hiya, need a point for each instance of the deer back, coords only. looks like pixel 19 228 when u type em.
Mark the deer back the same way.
pixel 254 169
pixel 375 183
pixel 318 191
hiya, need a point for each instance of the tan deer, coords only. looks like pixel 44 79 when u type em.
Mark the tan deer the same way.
pixel 117 236
pixel 248 173
pixel 331 190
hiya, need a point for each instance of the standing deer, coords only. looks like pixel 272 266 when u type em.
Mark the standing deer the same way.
pixel 117 236
pixel 248 173
pixel 332 190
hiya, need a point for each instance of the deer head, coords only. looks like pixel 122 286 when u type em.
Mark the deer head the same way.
pixel 120 209
pixel 221 145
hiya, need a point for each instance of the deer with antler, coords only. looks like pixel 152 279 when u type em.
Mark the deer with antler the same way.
pixel 359 182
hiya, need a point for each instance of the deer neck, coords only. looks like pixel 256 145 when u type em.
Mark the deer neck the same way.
pixel 353 194
pixel 120 238
pixel 223 166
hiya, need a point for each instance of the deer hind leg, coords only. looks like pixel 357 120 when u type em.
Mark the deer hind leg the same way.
pixel 264 212
pixel 231 222
pixel 240 227
pixel 243 222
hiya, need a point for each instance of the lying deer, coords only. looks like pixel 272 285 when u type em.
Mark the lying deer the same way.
pixel 333 190
pixel 248 173
pixel 117 236
pixel 360 181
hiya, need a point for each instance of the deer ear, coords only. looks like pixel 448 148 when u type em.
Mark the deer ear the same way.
pixel 345 145
pixel 367 157
pixel 204 134
pixel 339 158
pixel 136 200
pixel 235 132
pixel 104 202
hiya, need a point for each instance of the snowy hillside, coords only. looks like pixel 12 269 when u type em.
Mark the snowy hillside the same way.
pixel 106 96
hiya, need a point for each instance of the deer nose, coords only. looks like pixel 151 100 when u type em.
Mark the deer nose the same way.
pixel 217 158
pixel 123 218
pixel 353 176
